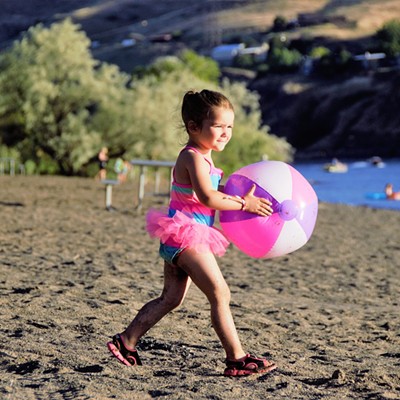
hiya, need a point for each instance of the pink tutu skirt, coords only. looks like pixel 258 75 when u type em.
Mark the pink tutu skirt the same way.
pixel 183 231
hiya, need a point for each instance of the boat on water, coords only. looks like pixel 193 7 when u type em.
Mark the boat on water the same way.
pixel 336 166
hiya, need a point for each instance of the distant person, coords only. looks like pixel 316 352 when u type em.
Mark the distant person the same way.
pixel 390 194
pixel 188 240
pixel 376 162
pixel 102 158
pixel 336 163
pixel 335 166
pixel 122 168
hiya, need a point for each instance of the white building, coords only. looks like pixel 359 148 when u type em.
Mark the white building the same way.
pixel 226 53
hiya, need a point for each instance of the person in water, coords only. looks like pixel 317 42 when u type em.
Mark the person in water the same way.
pixel 390 193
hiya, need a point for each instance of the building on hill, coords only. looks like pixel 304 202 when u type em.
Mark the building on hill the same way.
pixel 225 54
pixel 369 61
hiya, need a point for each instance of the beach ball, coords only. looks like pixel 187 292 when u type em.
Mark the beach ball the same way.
pixel 294 203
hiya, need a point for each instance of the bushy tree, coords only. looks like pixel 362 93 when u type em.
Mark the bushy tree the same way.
pixel 389 38
pixel 319 52
pixel 160 67
pixel 280 24
pixel 156 97
pixel 284 59
pixel 204 68
pixel 59 105
pixel 57 100
pixel 157 105
pixel 280 57
pixel 333 63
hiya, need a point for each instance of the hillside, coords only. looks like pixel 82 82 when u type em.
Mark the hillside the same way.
pixel 356 117
pixel 199 24
pixel 345 117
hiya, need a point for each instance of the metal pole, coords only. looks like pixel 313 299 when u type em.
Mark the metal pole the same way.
pixel 157 181
pixel 108 196
pixel 142 182
pixel 12 167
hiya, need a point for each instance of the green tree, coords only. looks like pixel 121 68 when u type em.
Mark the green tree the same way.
pixel 156 97
pixel 319 52
pixel 59 105
pixel 280 57
pixel 389 38
pixel 280 24
pixel 156 109
pixel 159 68
pixel 202 67
pixel 333 63
pixel 58 101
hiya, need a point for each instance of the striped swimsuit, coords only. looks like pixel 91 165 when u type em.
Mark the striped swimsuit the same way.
pixel 187 223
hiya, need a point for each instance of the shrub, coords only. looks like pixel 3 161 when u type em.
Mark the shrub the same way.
pixel 389 38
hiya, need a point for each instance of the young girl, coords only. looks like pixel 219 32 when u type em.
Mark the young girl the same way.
pixel 188 240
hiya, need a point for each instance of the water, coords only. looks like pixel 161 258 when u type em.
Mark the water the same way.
pixel 355 186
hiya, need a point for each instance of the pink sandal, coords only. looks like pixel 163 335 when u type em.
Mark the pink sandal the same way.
pixel 248 365
pixel 125 355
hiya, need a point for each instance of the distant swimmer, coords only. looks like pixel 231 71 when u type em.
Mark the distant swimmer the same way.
pixel 390 194
pixel 377 162
pixel 336 166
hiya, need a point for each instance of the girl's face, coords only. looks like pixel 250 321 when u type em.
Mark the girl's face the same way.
pixel 216 131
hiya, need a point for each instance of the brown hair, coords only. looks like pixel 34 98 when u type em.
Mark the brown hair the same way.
pixel 196 106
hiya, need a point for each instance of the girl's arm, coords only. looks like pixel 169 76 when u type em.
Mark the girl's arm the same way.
pixel 198 171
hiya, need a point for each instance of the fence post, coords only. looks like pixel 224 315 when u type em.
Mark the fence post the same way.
pixel 143 164
pixel 142 182
pixel 12 167
pixel 157 181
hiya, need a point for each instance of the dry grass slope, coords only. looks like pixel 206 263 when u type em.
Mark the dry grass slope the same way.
pixel 104 17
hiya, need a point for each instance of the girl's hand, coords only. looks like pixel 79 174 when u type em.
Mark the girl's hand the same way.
pixel 257 205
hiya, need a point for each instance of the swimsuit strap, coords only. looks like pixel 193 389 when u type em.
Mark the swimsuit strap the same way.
pixel 196 151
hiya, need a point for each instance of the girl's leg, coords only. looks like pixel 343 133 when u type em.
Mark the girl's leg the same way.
pixel 206 274
pixel 176 285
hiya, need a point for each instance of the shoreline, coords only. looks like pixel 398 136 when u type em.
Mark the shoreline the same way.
pixel 73 274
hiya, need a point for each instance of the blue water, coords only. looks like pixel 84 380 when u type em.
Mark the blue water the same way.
pixel 355 186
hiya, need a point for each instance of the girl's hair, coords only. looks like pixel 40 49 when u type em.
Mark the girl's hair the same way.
pixel 197 106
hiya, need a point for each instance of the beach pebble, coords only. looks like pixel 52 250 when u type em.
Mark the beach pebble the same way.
pixel 339 376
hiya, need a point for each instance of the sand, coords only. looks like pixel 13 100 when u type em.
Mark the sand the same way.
pixel 73 274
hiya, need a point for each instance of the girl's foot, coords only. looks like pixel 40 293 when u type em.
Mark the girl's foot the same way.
pixel 248 365
pixel 124 354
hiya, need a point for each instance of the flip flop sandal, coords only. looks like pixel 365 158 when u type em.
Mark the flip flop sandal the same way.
pixel 248 365
pixel 125 355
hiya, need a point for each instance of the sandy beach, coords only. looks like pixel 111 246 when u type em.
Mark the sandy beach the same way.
pixel 73 274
